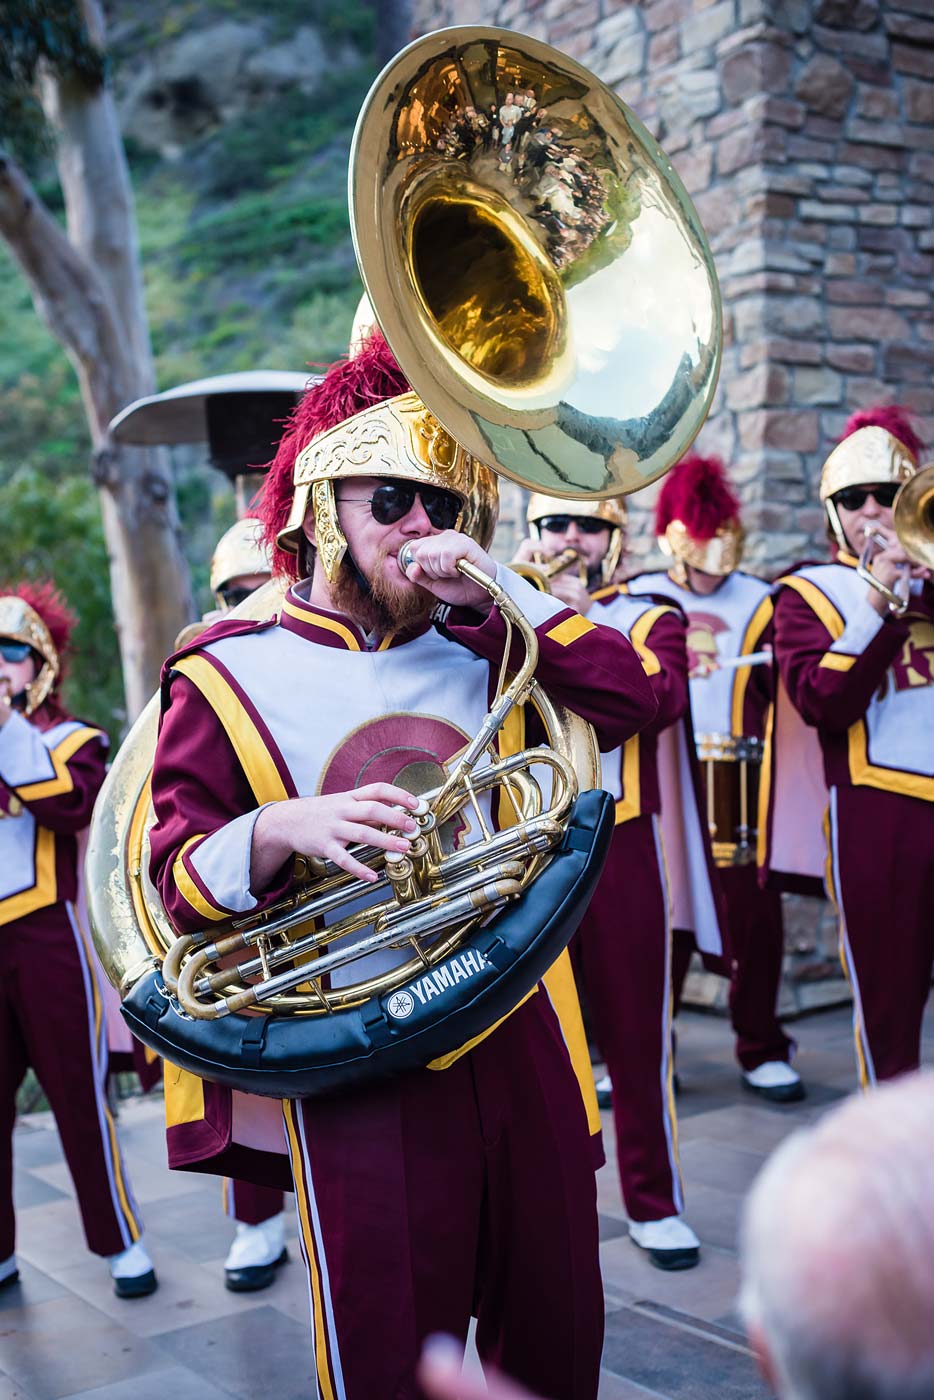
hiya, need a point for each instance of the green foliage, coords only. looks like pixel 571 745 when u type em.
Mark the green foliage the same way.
pixel 58 534
pixel 31 31
pixel 247 264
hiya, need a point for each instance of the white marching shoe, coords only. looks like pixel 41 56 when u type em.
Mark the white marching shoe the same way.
pixel 9 1272
pixel 132 1272
pixel 670 1243
pixel 256 1253
pixel 775 1081
pixel 604 1088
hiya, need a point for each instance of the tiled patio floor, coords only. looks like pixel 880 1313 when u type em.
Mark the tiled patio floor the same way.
pixel 669 1336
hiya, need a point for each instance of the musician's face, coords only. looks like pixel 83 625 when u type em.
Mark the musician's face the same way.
pixel 591 547
pixel 868 515
pixel 375 547
pixel 16 675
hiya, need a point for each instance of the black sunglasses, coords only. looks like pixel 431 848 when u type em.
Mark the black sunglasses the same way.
pixel 14 651
pixel 852 497
pixel 559 524
pixel 233 597
pixel 392 500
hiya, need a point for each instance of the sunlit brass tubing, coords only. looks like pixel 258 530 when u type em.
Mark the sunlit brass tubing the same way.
pixel 482 899
pixel 534 837
pixel 874 540
pixel 172 962
pixel 514 694
pixel 431 914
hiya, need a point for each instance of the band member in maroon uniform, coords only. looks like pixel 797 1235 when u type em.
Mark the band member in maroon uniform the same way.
pixel 241 563
pixel 466 1186
pixel 858 666
pixel 729 616
pixel 52 1014
pixel 622 951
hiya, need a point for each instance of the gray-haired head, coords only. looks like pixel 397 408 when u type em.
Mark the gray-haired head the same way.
pixel 837 1251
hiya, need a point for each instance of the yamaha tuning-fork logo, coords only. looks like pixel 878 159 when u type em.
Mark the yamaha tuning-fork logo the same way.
pixel 459 968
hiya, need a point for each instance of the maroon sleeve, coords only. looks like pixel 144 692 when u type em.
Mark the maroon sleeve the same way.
pixel 198 786
pixel 64 803
pixel 666 647
pixel 822 694
pixel 591 669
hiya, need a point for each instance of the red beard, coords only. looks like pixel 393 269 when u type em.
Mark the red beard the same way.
pixel 388 607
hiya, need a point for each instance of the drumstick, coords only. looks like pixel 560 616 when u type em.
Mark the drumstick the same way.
pixel 733 663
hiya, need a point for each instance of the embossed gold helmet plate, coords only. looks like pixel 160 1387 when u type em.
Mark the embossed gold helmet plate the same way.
pixel 19 622
pixel 398 438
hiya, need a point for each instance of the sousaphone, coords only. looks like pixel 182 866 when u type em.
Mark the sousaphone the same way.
pixel 545 283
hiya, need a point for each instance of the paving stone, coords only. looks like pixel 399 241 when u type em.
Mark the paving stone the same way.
pixel 229 1353
pixel 174 1383
pixel 29 1189
pixel 61 1347
pixel 678 1363
pixel 34 1286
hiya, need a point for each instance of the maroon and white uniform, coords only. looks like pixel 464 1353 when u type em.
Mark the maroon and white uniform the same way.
pixel 53 1009
pixel 865 685
pixel 623 947
pixel 464 1186
pixel 735 620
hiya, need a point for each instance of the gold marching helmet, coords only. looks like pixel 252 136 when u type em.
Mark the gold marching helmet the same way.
pixel 19 622
pixel 239 553
pixel 869 456
pixel 719 555
pixel 397 438
pixel 612 511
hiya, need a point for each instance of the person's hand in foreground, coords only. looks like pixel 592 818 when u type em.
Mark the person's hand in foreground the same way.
pixel 442 1377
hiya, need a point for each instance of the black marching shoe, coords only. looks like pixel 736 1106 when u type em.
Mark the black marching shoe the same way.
pixel 255 1255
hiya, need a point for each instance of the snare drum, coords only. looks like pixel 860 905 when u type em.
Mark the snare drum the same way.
pixel 730 769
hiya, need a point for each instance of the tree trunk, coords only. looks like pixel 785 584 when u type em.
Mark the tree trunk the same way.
pixel 87 287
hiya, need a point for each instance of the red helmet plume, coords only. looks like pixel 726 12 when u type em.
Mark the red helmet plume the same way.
pixel 894 418
pixel 697 492
pixel 349 386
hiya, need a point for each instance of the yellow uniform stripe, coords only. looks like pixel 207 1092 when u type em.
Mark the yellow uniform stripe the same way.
pixel 255 758
pixel 754 629
pixel 570 629
pixel 866 774
pixel 329 624
pixel 44 891
pixel 189 890
pixel 322 1364
pixel 62 782
pixel 838 661
pixel 630 804
pixel 817 601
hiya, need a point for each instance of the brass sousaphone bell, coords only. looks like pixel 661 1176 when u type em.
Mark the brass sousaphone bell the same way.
pixel 542 278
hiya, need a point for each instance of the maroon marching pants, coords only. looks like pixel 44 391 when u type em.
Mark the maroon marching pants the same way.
pixel 440 1194
pixel 882 853
pixel 753 963
pixel 249 1204
pixel 51 1019
pixel 622 954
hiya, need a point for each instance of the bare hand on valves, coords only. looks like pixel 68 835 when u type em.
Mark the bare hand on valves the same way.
pixel 323 828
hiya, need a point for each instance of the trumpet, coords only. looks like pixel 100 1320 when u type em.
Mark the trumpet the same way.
pixel 897 598
pixel 541 569
pixel 913 516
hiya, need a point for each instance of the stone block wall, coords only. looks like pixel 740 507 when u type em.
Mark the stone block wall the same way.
pixel 804 130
